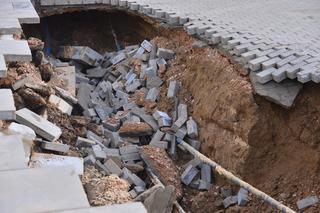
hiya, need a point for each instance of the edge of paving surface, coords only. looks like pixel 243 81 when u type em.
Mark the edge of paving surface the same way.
pixel 265 58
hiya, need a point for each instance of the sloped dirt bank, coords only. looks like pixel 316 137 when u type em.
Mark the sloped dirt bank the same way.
pixel 272 148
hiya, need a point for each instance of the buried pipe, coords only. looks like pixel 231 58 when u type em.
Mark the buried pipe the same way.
pixel 229 176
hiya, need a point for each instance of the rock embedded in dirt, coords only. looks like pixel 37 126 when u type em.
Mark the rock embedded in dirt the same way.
pixel 307 202
pixel 135 129
pixel 46 71
pixel 32 99
pixel 161 164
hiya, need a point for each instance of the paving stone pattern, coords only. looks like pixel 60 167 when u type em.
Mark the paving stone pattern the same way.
pixel 280 38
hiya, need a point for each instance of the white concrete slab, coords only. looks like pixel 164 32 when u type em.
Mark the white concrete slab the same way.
pixel 15 50
pixel 40 125
pixel 42 160
pixel 41 190
pixel 10 26
pixel 7 107
pixel 61 104
pixel 135 207
pixel 12 155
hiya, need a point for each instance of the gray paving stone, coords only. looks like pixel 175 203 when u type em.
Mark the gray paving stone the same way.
pixel 61 104
pixel 153 94
pixel 265 75
pixel 255 64
pixel 242 197
pixel 160 144
pixel 189 174
pixel 10 26
pixel 307 202
pixel 40 125
pixel 113 167
pixel 229 201
pixel 30 185
pixel 192 128
pixel 7 107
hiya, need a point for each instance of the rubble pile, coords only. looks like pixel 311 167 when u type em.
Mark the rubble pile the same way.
pixel 98 114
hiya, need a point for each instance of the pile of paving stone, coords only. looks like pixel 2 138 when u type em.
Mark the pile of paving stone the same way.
pixel 108 87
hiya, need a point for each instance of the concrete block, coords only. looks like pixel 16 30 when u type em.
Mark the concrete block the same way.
pixel 181 132
pixel 164 122
pixel 3 67
pixel 255 64
pixel 265 75
pixel 165 53
pixel 242 197
pixel 139 189
pixel 40 125
pixel 113 167
pixel 28 186
pixel 136 83
pixel 53 146
pixel 167 137
pixel 159 144
pixel 102 168
pixel 90 160
pixel 154 82
pixel 103 111
pixel 118 58
pixel 146 118
pixel 42 160
pixel 292 71
pixel 96 72
pixel 153 94
pixel 7 107
pixel 9 26
pixel 84 142
pixel 280 74
pixel 98 153
pixel 114 137
pixel 146 45
pixel 130 157
pixel 206 173
pixel 270 63
pixel 192 128
pixel 173 89
pixel 61 104
pixel 129 149
pixel 307 202
pixel 189 173
pixel 157 136
pixel 194 143
pixel 112 124
pixel 182 116
pixel 229 201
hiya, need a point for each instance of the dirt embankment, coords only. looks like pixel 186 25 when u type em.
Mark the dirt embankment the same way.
pixel 273 148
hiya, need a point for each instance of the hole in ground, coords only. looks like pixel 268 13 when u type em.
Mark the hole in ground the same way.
pixel 100 30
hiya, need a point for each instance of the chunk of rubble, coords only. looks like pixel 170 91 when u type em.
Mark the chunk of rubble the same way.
pixel 82 54
pixel 161 200
pixel 26 133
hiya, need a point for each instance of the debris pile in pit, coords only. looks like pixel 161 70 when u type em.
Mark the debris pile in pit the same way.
pixel 117 98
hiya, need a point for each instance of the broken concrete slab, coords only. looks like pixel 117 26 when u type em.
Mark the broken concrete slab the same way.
pixel 53 146
pixel 12 154
pixel 7 107
pixel 283 93
pixel 83 95
pixel 41 126
pixel 161 201
pixel 33 184
pixel 42 160
pixel 15 50
pixel 61 104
